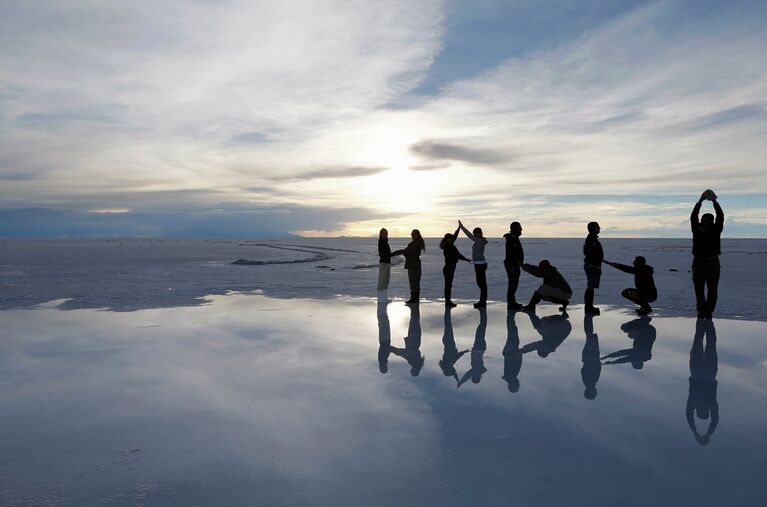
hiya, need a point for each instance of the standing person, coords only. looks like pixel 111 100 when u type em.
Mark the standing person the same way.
pixel 592 265
pixel 515 256
pixel 644 291
pixel 706 248
pixel 412 253
pixel 480 264
pixel 384 265
pixel 452 255
pixel 554 288
pixel 592 366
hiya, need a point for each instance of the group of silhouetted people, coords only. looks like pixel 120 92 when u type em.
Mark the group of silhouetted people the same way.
pixel 706 232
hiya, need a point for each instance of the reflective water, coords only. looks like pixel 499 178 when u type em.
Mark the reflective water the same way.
pixel 257 401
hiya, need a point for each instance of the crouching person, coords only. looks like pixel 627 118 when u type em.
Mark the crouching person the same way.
pixel 644 292
pixel 554 289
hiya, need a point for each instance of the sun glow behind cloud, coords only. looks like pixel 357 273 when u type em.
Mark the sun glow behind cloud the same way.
pixel 293 107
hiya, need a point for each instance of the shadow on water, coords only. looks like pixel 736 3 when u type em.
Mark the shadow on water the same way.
pixel 554 329
pixel 704 364
pixel 592 366
pixel 512 354
pixel 450 355
pixel 412 351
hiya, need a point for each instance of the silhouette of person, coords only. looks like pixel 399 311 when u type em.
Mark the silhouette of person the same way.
pixel 704 365
pixel 515 256
pixel 554 289
pixel 512 354
pixel 412 351
pixel 706 248
pixel 480 264
pixel 554 329
pixel 592 265
pixel 384 265
pixel 477 352
pixel 452 255
pixel 592 367
pixel 643 333
pixel 644 291
pixel 384 338
pixel 450 356
pixel 412 253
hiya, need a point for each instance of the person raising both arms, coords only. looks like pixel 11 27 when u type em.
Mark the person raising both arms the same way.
pixel 644 291
pixel 706 248
pixel 515 256
pixel 480 264
pixel 452 256
pixel 412 253
pixel 592 265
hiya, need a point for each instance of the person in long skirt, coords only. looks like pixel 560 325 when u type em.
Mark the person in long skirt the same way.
pixel 412 253
pixel 452 256
pixel 384 265
pixel 480 264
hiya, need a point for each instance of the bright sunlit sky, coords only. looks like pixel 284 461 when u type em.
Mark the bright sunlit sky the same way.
pixel 253 118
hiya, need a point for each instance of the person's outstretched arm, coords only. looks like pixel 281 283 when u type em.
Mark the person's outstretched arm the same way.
pixel 455 234
pixel 694 220
pixel 465 231
pixel 533 270
pixel 719 214
pixel 623 267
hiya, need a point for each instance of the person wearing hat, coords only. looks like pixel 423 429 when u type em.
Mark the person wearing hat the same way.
pixel 554 289
pixel 706 248
pixel 644 291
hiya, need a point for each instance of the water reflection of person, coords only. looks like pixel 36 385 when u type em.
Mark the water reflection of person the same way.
pixel 412 351
pixel 384 337
pixel 512 355
pixel 703 368
pixel 554 329
pixel 643 333
pixel 477 351
pixel 592 367
pixel 450 355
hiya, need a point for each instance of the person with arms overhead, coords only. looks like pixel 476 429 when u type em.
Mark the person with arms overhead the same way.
pixel 412 253
pixel 384 265
pixel 515 256
pixel 706 248
pixel 592 265
pixel 452 256
pixel 644 291
pixel 480 264
pixel 554 289
pixel 450 355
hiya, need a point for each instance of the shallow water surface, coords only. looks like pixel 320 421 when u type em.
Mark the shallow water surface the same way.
pixel 249 400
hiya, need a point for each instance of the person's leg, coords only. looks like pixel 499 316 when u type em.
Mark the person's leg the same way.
pixel 712 281
pixel 699 282
pixel 533 301
pixel 417 283
pixel 449 272
pixel 479 273
pixel 411 278
pixel 592 282
pixel 512 273
pixel 632 295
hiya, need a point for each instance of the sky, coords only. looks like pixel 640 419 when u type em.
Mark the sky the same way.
pixel 339 117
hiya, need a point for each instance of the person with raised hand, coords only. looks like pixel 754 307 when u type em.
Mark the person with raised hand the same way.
pixel 480 264
pixel 452 256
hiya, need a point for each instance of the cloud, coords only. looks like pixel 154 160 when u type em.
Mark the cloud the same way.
pixel 439 150
pixel 332 172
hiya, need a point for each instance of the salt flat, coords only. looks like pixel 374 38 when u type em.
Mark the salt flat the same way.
pixel 252 400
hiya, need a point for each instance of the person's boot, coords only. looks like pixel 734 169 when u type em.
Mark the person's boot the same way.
pixel 530 307
pixel 480 304
pixel 563 308
pixel 645 309
pixel 448 300
pixel 414 297
pixel 588 299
